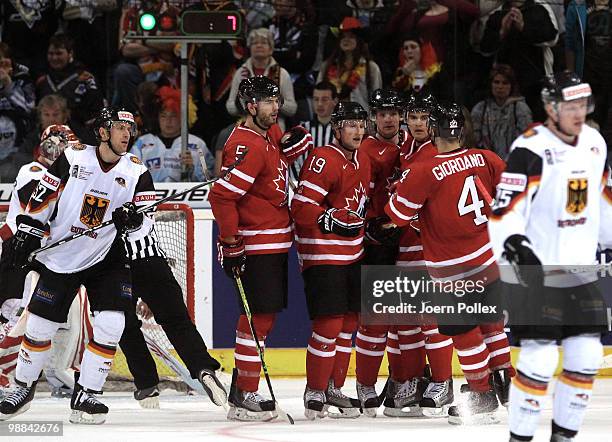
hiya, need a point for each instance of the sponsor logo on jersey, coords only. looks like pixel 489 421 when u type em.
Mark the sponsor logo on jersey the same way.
pixel 561 223
pixel 150 196
pixel 35 169
pixel 75 171
pixel 135 160
pixel 533 403
pixel 549 157
pixel 44 295
pixel 595 150
pixel 78 146
pixel 53 182
pixel 93 210
pixel 577 193
pixel 121 181
pixel 75 229
pixel 126 290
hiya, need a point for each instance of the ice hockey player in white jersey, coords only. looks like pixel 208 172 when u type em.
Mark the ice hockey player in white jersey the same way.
pixel 53 141
pixel 161 152
pixel 84 187
pixel 554 204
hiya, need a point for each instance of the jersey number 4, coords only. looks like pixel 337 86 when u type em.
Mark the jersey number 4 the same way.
pixel 470 191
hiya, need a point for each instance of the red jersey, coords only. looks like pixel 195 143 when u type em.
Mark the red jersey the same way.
pixel 328 180
pixel 452 209
pixel 384 163
pixel 252 200
pixel 411 152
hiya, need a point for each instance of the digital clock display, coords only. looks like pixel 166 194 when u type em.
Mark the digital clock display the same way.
pixel 211 23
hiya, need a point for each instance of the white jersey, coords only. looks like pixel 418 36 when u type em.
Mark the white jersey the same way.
pixel 557 195
pixel 76 194
pixel 165 163
pixel 25 183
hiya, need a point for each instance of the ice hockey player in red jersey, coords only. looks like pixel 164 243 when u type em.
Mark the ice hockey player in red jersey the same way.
pixel 84 187
pixel 450 192
pixel 554 205
pixel 328 210
pixel 409 393
pixel 255 233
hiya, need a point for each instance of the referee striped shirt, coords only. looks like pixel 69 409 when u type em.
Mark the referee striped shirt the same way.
pixel 147 246
pixel 322 135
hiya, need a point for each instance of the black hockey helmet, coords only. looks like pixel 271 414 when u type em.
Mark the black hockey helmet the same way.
pixel 108 115
pixel 565 86
pixel 447 120
pixel 421 101
pixel 347 110
pixel 383 99
pixel 255 89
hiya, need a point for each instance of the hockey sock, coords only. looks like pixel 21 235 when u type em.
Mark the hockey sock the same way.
pixel 344 346
pixel 473 358
pixel 497 343
pixel 35 348
pixel 570 400
pixel 397 371
pixel 526 396
pixel 32 358
pixel 439 349
pixel 412 348
pixel 369 351
pixel 96 364
pixel 246 356
pixel 321 352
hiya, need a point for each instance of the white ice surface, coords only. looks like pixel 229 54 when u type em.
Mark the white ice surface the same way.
pixel 194 418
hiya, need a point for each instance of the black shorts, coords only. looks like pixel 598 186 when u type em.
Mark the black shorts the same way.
pixel 456 324
pixel 380 255
pixel 265 283
pixel 557 313
pixel 11 279
pixel 108 285
pixel 332 289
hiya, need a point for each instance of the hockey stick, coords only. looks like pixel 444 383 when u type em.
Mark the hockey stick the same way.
pixel 483 190
pixel 145 209
pixel 247 311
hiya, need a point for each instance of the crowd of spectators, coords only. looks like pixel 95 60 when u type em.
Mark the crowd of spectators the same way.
pixel 62 60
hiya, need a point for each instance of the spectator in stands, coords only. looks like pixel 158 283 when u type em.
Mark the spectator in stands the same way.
pixel 142 60
pixel 16 108
pixel 214 66
pixel 324 99
pixel 445 25
pixel 147 102
pixel 349 68
pixel 501 118
pixel 162 153
pixel 51 109
pixel 294 32
pixel 261 46
pixel 598 61
pixel 27 27
pixel 520 33
pixel 418 67
pixel 575 27
pixel 68 78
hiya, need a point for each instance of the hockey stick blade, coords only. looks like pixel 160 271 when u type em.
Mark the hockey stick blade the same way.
pixel 247 311
pixel 145 209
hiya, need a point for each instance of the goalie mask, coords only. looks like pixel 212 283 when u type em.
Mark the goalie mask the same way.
pixel 446 120
pixel 54 140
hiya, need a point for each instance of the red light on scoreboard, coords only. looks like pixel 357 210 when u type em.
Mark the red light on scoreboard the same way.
pixel 211 23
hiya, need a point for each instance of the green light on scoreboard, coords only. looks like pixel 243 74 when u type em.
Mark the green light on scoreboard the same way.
pixel 147 21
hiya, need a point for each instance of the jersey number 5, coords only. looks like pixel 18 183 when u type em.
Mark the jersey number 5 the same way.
pixel 469 190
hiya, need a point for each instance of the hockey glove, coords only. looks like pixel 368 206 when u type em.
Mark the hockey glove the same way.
pixel 295 142
pixel 126 218
pixel 528 268
pixel 28 238
pixel 380 230
pixel 232 256
pixel 342 222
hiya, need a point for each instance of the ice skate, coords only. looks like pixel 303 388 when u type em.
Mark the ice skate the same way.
pixel 405 401
pixel 437 399
pixel 478 409
pixel 18 401
pixel 148 397
pixel 314 404
pixel 213 387
pixel 348 408
pixel 249 406
pixel 86 408
pixel 368 399
pixel 501 384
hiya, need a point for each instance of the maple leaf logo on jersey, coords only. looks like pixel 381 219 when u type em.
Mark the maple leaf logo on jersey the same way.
pixel 281 182
pixel 357 202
